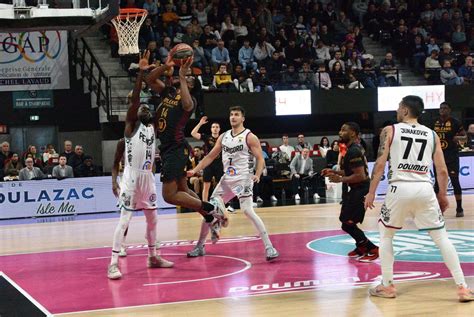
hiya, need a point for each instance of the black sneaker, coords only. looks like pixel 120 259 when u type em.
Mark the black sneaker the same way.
pixel 459 212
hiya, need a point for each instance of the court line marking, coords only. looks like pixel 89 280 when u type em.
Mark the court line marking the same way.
pixel 396 260
pixel 248 265
pixel 238 297
pixel 28 296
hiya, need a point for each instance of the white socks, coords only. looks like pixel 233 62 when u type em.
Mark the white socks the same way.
pixel 450 256
pixel 246 206
pixel 151 220
pixel 124 221
pixel 386 254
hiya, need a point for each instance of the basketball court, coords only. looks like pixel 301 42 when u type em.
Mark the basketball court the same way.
pixel 67 263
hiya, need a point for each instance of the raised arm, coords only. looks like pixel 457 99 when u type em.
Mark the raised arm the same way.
pixel 186 99
pixel 195 132
pixel 119 150
pixel 256 149
pixel 208 159
pixel 153 79
pixel 379 166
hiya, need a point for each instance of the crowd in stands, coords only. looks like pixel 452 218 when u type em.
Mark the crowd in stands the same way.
pixel 35 165
pixel 252 45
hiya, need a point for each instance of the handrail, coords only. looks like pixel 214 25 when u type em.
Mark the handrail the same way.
pixel 103 95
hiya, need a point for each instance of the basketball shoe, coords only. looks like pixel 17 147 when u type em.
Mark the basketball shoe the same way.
pixel 197 251
pixel 113 272
pixel 465 294
pixel 370 256
pixel 271 253
pixel 123 252
pixel 357 252
pixel 215 228
pixel 220 210
pixel 459 212
pixel 158 262
pixel 383 291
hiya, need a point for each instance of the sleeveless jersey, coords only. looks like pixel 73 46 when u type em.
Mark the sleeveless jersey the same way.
pixel 446 131
pixel 411 153
pixel 140 149
pixel 172 119
pixel 236 156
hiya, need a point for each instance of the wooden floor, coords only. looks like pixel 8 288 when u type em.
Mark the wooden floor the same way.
pixel 423 298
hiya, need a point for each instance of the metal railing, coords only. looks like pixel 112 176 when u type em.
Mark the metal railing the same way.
pixel 91 70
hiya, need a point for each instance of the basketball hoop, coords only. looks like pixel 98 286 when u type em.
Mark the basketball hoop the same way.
pixel 127 24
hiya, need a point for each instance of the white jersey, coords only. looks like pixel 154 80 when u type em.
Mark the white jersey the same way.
pixel 237 158
pixel 411 153
pixel 140 149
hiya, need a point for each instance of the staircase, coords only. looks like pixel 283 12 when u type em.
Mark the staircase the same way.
pixel 114 83
pixel 378 51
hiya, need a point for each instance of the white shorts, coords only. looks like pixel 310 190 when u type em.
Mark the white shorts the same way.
pixel 137 190
pixel 416 200
pixel 231 186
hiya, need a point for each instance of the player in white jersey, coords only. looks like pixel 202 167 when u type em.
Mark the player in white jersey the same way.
pixel 411 148
pixel 137 186
pixel 239 146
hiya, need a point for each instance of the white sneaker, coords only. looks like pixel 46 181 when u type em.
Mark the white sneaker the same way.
pixel 158 262
pixel 254 205
pixel 271 253
pixel 123 252
pixel 230 209
pixel 113 272
pixel 215 228
pixel 273 198
pixel 259 199
pixel 297 197
pixel 316 196
pixel 220 211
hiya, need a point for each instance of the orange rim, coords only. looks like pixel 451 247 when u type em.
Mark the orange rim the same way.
pixel 131 13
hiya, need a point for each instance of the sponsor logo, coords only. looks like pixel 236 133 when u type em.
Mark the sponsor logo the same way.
pixel 153 198
pixel 231 171
pixel 234 149
pixel 44 195
pixel 422 169
pixel 409 245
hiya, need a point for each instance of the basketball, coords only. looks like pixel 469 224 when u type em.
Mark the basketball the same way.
pixel 180 53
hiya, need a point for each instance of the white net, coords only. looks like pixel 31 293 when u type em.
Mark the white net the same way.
pixel 128 26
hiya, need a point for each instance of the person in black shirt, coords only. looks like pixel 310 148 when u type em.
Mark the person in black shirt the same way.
pixel 333 154
pixel 172 115
pixel 215 170
pixel 355 173
pixel 450 131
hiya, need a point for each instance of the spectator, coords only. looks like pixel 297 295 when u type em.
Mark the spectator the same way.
pixel 246 56
pixel 213 17
pixel 286 149
pixel 322 79
pixel 201 13
pixel 241 80
pixel 322 52
pixel 461 58
pixel 263 82
pixel 49 153
pixel 442 29
pixel 62 170
pixel 353 83
pixel 309 52
pixel 152 9
pixel 264 18
pixel 418 55
pixel 332 155
pixel 189 36
pixel 30 172
pixel 446 53
pixel 77 159
pixel 313 33
pixel 33 153
pixel 448 75
pixel 458 38
pixel 354 63
pixel 13 167
pixel 154 53
pixel 432 45
pixel 342 26
pixel 432 67
pixel 197 180
pixel 199 60
pixel 289 18
pixel 227 30
pixel 466 72
pixel 337 58
pixel 185 15
pixel 196 28
pixel 208 41
pixel 88 168
pixel 301 166
pixel 170 21
pixel 371 22
pixel 223 80
pixel 439 11
pixel 281 36
pixel 290 78
pixel 241 31
pixel 388 71
pixel 301 143
pixel 306 77
pixel 470 137
pixel 338 77
pixel 427 15
pixel 207 78
pixel 220 54
pixel 263 52
pixel 401 44
pixel 293 54
pixel 68 152
pixel 266 182
pixel 368 76
pixel 148 32
pixel 165 49
pixel 275 66
pixel 324 146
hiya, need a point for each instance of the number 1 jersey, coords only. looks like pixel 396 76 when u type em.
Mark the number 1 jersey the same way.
pixel 411 153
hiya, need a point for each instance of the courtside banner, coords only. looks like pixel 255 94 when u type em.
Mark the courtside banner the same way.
pixel 34 61
pixel 466 170
pixel 51 197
